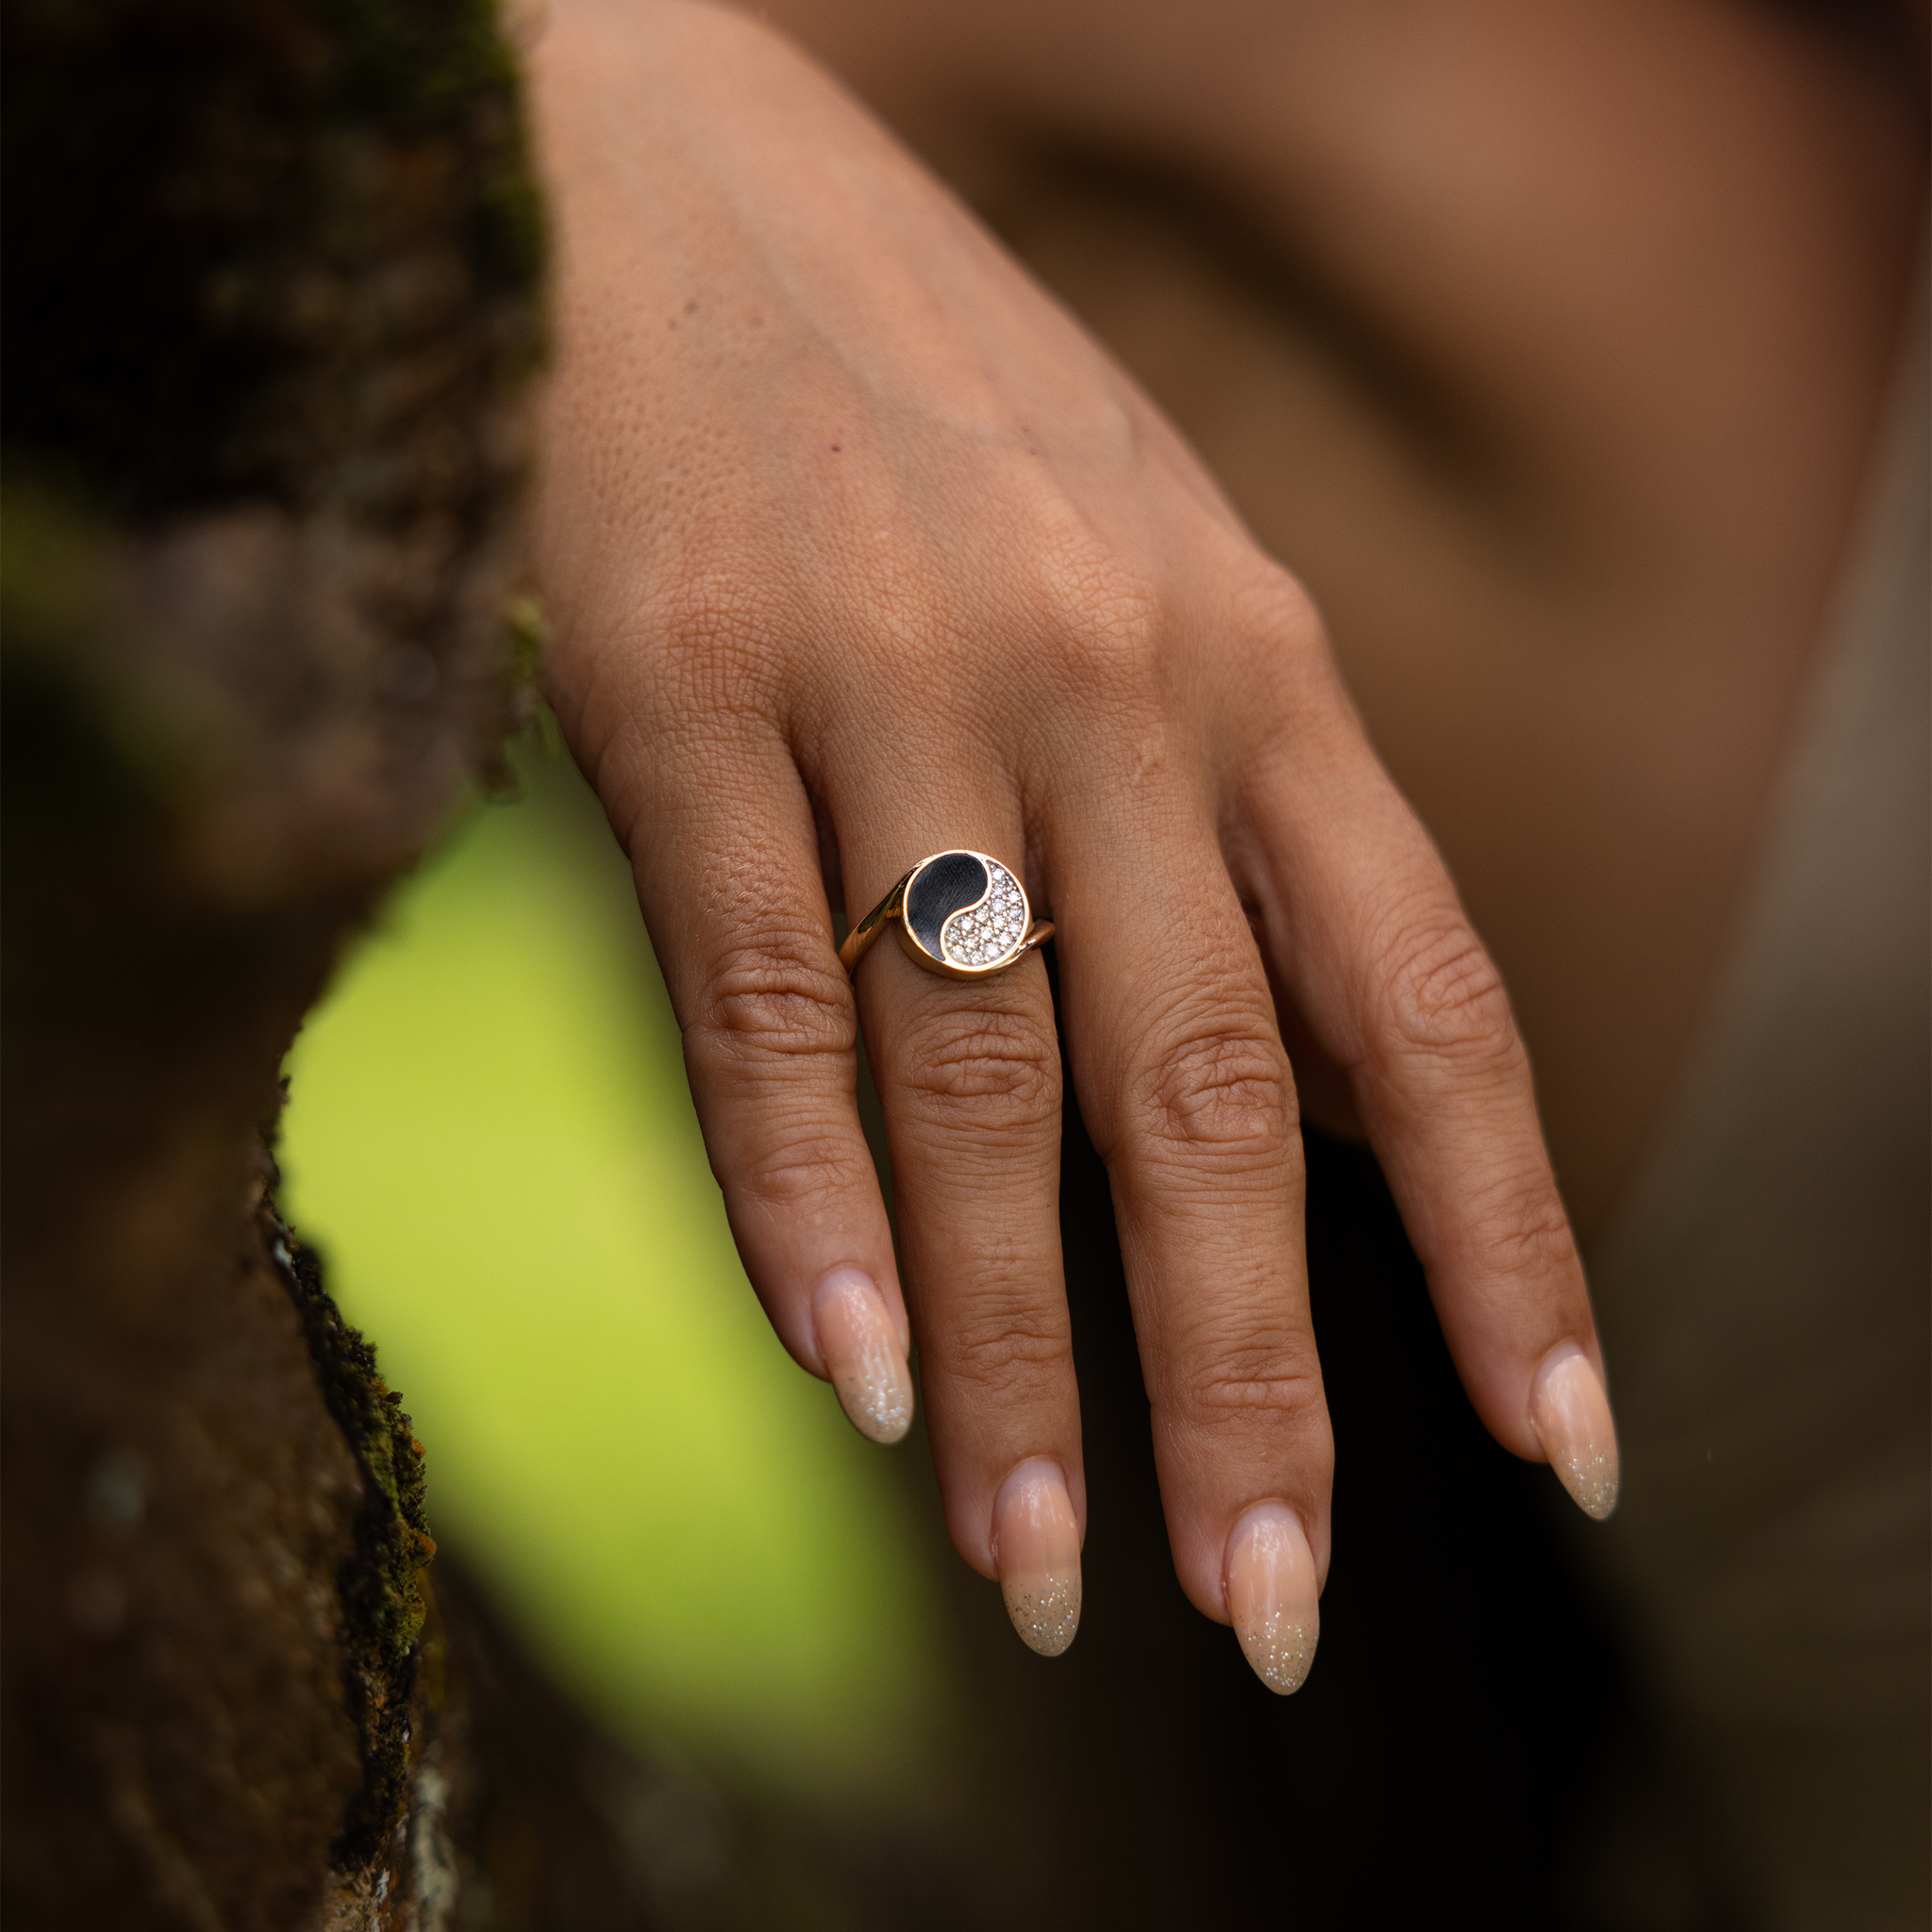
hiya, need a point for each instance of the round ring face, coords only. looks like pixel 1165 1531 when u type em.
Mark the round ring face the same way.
pixel 966 911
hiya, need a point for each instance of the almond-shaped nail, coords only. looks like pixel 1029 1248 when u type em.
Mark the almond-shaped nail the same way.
pixel 1037 1546
pixel 1570 1415
pixel 1268 1577
pixel 862 1353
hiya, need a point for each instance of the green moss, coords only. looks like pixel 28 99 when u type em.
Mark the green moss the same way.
pixel 429 69
pixel 380 1585
pixel 421 66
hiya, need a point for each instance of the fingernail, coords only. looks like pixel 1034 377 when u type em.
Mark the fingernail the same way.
pixel 1037 1543
pixel 862 1353
pixel 1268 1577
pixel 1570 1415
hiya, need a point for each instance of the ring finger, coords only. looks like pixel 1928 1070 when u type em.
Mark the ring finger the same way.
pixel 969 1076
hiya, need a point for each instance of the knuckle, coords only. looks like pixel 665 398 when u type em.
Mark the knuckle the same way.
pixel 713 653
pixel 1103 615
pixel 1440 991
pixel 1287 673
pixel 1274 608
pixel 802 1168
pixel 773 1001
pixel 1258 1367
pixel 997 1070
pixel 1218 1082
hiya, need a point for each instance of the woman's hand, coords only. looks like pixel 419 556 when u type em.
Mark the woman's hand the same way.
pixel 857 550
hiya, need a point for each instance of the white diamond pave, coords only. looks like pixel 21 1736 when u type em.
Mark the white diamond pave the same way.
pixel 987 933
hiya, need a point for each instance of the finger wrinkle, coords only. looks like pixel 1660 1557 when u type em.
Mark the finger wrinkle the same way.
pixel 801 1180
pixel 984 1067
pixel 1437 993
pixel 776 999
pixel 1211 1401
pixel 1223 1087
pixel 991 1357
pixel 1517 1230
pixel 1166 1191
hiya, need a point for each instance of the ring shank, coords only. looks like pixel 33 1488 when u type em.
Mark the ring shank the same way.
pixel 861 936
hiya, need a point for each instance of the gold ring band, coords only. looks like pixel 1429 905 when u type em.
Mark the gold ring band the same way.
pixel 960 913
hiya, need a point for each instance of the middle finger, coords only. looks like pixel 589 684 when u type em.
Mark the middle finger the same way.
pixel 1187 1091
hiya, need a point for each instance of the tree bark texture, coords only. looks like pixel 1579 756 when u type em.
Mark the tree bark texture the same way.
pixel 271 306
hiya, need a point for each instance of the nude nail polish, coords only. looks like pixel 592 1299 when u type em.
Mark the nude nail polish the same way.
pixel 1570 1415
pixel 1267 1577
pixel 1037 1546
pixel 862 1353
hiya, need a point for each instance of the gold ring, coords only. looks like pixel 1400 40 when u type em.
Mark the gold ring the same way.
pixel 961 914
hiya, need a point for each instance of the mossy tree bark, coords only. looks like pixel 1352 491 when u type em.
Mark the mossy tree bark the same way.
pixel 271 306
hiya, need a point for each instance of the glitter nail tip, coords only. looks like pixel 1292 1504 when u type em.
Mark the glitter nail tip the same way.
pixel 1590 1477
pixel 1045 1612
pixel 1037 1544
pixel 1279 1650
pixel 862 1354
pixel 1571 1414
pixel 877 1401
pixel 1268 1580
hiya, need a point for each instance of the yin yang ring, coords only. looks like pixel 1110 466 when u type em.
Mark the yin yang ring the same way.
pixel 962 914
